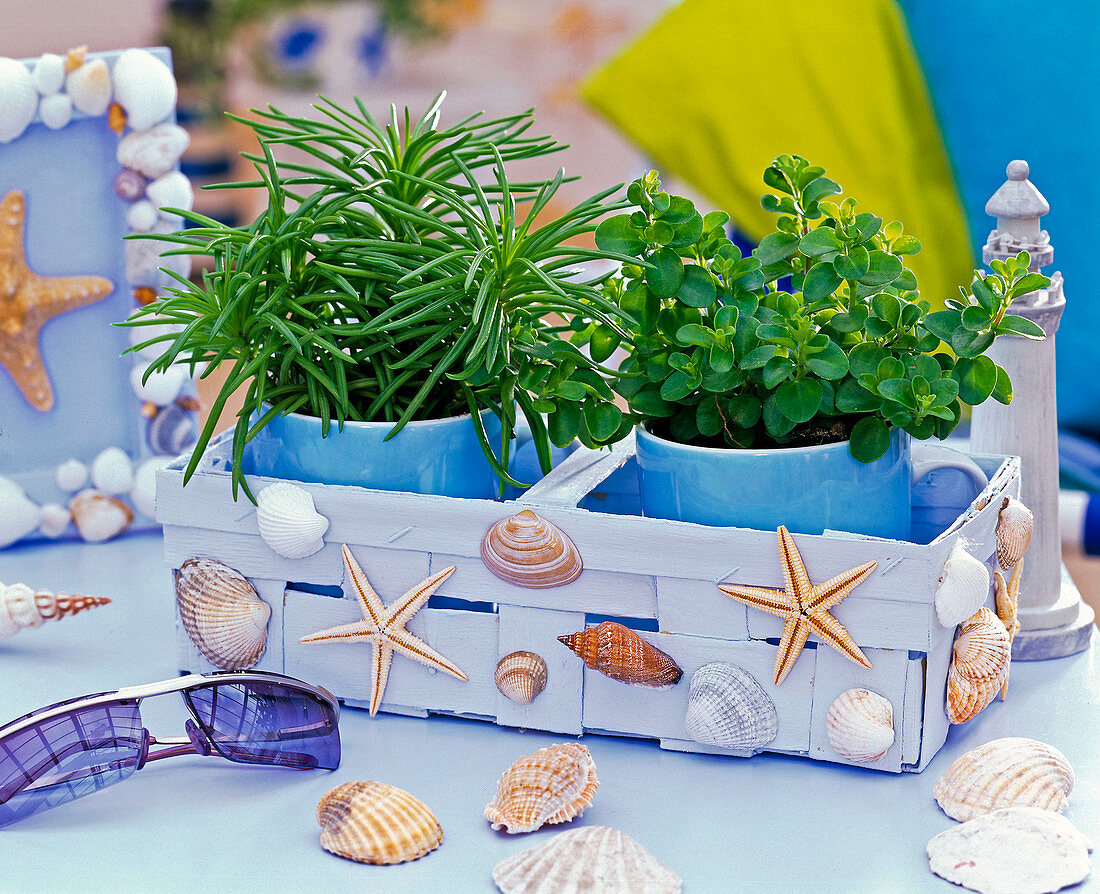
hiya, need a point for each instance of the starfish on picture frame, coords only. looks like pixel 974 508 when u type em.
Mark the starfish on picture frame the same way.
pixel 28 301
pixel 384 628
pixel 804 607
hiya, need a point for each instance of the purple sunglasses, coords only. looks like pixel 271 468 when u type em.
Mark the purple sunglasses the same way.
pixel 65 751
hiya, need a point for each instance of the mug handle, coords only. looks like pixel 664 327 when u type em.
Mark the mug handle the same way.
pixel 929 457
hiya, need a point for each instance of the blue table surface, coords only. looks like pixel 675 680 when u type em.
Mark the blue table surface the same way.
pixel 772 823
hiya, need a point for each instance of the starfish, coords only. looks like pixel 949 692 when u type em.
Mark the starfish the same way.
pixel 28 301
pixel 384 628
pixel 1008 603
pixel 803 607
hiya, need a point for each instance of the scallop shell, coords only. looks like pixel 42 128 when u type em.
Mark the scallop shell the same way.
pixel 371 822
pixel 619 653
pixel 98 516
pixel 289 521
pixel 90 87
pixel 860 725
pixel 144 87
pixel 728 708
pixel 18 99
pixel 153 152
pixel 172 431
pixel 593 859
pixel 222 613
pixel 19 515
pixel 553 785
pixel 56 110
pixel 1015 524
pixel 22 607
pixel 112 471
pixel 1009 772
pixel 521 676
pixel 963 587
pixel 49 74
pixel 982 653
pixel 528 551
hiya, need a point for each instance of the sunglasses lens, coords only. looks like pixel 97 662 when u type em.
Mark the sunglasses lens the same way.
pixel 67 757
pixel 268 723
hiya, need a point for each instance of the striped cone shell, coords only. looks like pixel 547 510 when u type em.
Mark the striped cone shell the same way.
pixel 521 676
pixel 528 551
pixel 619 653
pixel 222 613
pixel 860 725
pixel 371 822
pixel 22 607
pixel 982 653
pixel 553 785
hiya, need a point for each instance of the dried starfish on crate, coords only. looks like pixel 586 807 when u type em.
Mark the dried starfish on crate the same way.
pixel 1008 603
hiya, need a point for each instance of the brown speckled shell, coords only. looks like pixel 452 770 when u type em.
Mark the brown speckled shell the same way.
pixel 979 666
pixel 553 785
pixel 371 822
pixel 528 551
pixel 521 676
pixel 619 653
pixel 222 613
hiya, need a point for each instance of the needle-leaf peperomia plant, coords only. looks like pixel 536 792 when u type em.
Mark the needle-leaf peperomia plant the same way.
pixel 819 336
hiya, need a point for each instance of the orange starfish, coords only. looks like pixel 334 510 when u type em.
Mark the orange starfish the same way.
pixel 28 301
pixel 804 607
pixel 384 628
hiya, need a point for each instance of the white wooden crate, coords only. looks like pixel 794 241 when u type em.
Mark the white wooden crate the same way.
pixel 646 573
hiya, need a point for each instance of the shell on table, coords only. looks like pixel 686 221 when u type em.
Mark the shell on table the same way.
pixel 222 613
pixel 1015 525
pixel 860 725
pixel 99 516
pixel 112 471
pixel 528 551
pixel 521 676
pixel 619 653
pixel 553 785
pixel 372 822
pixel 979 665
pixel 1011 772
pixel 728 708
pixel 144 87
pixel 963 587
pixel 90 87
pixel 22 607
pixel 19 515
pixel 53 520
pixel 593 859
pixel 289 521
pixel 153 153
pixel 18 99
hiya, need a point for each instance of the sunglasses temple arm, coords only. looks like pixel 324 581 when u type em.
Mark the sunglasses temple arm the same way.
pixel 174 751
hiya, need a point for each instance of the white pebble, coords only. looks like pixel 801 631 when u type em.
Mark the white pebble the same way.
pixel 53 520
pixel 140 334
pixel 56 110
pixel 90 87
pixel 143 493
pixel 153 152
pixel 145 88
pixel 49 73
pixel 173 190
pixel 18 99
pixel 112 471
pixel 162 387
pixel 142 216
pixel 18 514
pixel 71 475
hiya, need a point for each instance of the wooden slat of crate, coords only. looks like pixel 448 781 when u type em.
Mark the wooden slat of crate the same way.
pixel 691 607
pixel 912 710
pixel 935 722
pixel 873 623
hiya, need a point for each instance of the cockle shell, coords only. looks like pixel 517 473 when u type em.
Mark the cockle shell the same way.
pixel 860 725
pixel 144 87
pixel 90 87
pixel 172 190
pixel 553 785
pixel 371 822
pixel 71 475
pixel 289 521
pixel 528 551
pixel 18 514
pixel 143 493
pixel 18 99
pixel 153 152
pixel 982 653
pixel 963 587
pixel 49 74
pixel 222 613
pixel 112 471
pixel 619 653
pixel 728 708
pixel 22 607
pixel 589 860
pixel 98 516
pixel 53 519
pixel 1015 524
pixel 521 676
pixel 56 110
pixel 172 431
pixel 1010 772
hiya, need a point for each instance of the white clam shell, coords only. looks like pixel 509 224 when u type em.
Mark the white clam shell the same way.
pixel 963 588
pixel 143 493
pixel 56 110
pixel 589 859
pixel 112 471
pixel 90 87
pixel 860 725
pixel 99 516
pixel 153 152
pixel 1015 525
pixel 18 99
pixel 728 708
pixel 142 216
pixel 49 74
pixel 162 387
pixel 53 519
pixel 173 190
pixel 527 550
pixel 18 514
pixel 71 475
pixel 144 87
pixel 222 613
pixel 1010 772
pixel 289 521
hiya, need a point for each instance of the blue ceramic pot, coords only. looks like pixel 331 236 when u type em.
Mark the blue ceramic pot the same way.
pixel 807 489
pixel 435 456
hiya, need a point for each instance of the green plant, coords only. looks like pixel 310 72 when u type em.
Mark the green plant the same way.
pixel 385 281
pixel 818 336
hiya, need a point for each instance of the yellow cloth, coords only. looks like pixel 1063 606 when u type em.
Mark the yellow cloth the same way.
pixel 717 88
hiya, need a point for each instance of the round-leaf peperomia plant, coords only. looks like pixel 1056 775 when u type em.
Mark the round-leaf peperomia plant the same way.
pixel 819 336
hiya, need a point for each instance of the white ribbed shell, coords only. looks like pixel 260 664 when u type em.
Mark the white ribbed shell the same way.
pixel 860 725
pixel 372 822
pixel 729 709
pixel 289 521
pixel 222 613
pixel 963 588
pixel 1015 525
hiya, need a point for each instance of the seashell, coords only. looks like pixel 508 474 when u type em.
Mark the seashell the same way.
pixel 963 587
pixel 553 785
pixel 53 519
pixel 71 475
pixel 75 58
pixel 90 88
pixel 1019 850
pixel 222 613
pixel 529 551
pixel 521 676
pixel 18 99
pixel 144 261
pixel 143 295
pixel 142 216
pixel 172 190
pixel 129 185
pixel 153 152
pixel 143 493
pixel 112 471
pixel 172 431
pixel 145 88
pixel 18 514
pixel 56 110
pixel 372 822
pixel 728 708
pixel 22 607
pixel 1010 772
pixel 161 388
pixel 289 521
pixel 592 859
pixel 860 725
pixel 979 665
pixel 49 74
pixel 116 118
pixel 140 334
pixel 1015 524
pixel 619 653
pixel 98 516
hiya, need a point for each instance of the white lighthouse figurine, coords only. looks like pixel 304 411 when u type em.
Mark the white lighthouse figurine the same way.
pixel 1053 619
